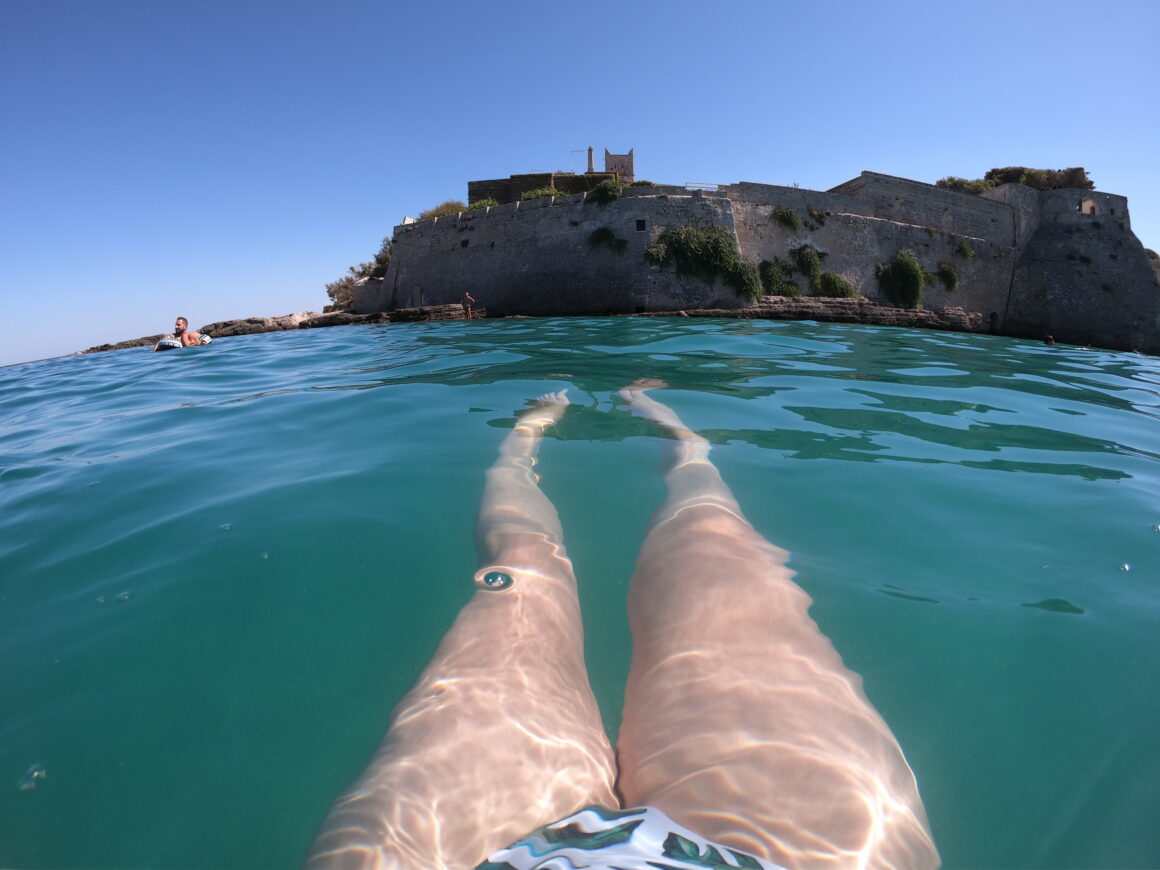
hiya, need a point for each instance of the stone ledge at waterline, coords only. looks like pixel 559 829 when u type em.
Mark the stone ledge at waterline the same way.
pixel 842 311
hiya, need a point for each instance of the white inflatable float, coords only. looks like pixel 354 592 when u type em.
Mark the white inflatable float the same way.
pixel 174 343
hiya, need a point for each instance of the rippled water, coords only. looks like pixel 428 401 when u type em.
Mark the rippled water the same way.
pixel 220 567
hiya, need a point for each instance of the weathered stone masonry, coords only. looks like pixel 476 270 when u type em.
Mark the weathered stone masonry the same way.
pixel 1037 264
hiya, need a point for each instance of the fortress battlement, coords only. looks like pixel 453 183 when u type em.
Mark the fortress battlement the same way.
pixel 1063 262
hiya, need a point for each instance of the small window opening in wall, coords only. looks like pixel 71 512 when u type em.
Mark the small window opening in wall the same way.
pixel 463 243
pixel 640 226
pixel 1088 206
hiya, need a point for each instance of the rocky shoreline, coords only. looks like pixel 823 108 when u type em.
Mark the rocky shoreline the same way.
pixel 300 320
pixel 770 308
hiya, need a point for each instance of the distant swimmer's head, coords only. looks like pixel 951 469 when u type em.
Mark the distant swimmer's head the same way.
pixel 180 326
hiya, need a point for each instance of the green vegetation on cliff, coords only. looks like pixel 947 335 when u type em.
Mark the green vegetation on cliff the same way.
pixel 1038 179
pixel 707 254
pixel 341 291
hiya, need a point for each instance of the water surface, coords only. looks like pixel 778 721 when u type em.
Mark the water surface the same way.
pixel 221 567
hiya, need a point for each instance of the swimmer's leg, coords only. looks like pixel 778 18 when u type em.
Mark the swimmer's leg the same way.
pixel 740 720
pixel 501 734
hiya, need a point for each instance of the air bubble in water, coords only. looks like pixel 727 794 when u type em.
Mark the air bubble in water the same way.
pixel 31 776
pixel 1125 567
pixel 225 527
pixel 124 596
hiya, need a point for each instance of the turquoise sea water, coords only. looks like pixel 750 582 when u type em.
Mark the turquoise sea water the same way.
pixel 220 567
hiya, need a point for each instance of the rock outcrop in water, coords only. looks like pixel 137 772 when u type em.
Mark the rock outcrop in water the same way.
pixel 304 320
pixel 255 325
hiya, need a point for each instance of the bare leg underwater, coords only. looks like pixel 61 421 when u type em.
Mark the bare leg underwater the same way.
pixel 740 720
pixel 501 734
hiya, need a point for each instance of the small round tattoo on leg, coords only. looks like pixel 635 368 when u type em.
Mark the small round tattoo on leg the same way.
pixel 494 581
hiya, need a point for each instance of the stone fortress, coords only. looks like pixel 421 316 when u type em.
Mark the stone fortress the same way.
pixel 1031 263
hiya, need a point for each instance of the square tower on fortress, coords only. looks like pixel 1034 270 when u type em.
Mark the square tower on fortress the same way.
pixel 616 166
pixel 621 164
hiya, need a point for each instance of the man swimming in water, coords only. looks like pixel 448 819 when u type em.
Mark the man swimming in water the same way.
pixel 745 741
pixel 181 332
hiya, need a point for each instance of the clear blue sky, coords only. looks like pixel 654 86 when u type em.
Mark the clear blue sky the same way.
pixel 227 158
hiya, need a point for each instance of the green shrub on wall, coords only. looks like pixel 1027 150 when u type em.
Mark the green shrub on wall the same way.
pixel 830 284
pixel 643 183
pixel 787 217
pixel 707 254
pixel 605 192
pixel 949 276
pixel 606 238
pixel 902 280
pixel 541 193
pixel 809 263
pixel 775 278
pixel 341 292
pixel 444 209
pixel 483 203
pixel 1075 177
pixel 964 250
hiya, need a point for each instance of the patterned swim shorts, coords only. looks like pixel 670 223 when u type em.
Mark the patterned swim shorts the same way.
pixel 634 839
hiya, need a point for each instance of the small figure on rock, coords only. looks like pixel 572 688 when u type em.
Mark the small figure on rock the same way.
pixel 468 301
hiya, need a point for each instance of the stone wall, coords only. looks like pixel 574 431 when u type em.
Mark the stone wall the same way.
pixel 1084 278
pixel 1024 205
pixel 906 201
pixel 1030 262
pixel 505 190
pixel 536 257
pixel 853 245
